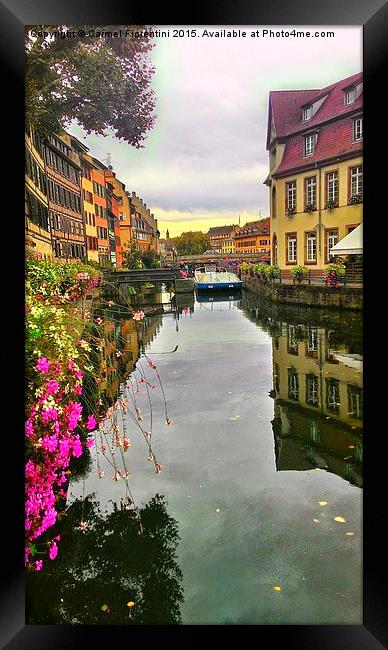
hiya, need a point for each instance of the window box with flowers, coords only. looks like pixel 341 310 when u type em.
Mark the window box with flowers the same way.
pixel 310 207
pixel 355 198
pixel 299 273
pixel 330 205
pixel 290 211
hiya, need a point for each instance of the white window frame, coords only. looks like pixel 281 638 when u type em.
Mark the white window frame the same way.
pixel 311 247
pixel 293 249
pixel 309 144
pixel 331 240
pixel 293 386
pixel 311 190
pixel 357 129
pixel 307 113
pixel 291 194
pixel 312 342
pixel 312 390
pixel 332 186
pixel 356 180
pixel 350 96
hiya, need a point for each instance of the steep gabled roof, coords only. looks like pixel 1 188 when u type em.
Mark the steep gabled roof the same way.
pixel 285 106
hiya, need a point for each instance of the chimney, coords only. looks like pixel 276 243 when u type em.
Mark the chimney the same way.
pixel 145 205
pixel 133 193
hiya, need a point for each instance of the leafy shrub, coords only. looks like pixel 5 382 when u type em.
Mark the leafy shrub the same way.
pixel 298 273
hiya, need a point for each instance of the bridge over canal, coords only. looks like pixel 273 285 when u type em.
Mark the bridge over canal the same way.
pixel 138 276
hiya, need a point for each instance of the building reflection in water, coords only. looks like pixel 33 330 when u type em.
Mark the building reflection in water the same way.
pixel 125 555
pixel 317 389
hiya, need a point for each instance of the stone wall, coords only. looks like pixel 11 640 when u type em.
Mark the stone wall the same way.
pixel 306 294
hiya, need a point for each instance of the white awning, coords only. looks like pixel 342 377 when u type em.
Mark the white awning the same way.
pixel 349 245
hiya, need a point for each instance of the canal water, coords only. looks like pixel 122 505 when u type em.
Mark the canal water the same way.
pixel 255 453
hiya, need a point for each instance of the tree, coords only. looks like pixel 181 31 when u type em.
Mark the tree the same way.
pixel 119 556
pixel 103 83
pixel 191 243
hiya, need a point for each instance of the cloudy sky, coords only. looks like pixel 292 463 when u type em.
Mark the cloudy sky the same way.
pixel 205 161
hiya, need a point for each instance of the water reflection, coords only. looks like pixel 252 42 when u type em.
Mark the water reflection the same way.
pixel 317 388
pixel 108 560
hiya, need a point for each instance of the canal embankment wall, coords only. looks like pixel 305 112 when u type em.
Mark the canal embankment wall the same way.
pixel 306 294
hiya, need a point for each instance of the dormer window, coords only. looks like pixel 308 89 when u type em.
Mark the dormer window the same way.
pixel 357 129
pixel 309 144
pixel 350 96
pixel 307 113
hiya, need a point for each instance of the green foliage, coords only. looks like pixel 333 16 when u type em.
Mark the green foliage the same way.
pixel 245 267
pixel 49 278
pixel 121 556
pixel 103 83
pixel 260 269
pixel 191 243
pixel 298 273
pixel 272 271
pixel 338 267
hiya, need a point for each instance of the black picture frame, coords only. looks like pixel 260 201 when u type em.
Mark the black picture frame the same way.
pixel 14 15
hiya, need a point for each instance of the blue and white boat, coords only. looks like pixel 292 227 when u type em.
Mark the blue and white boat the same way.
pixel 215 277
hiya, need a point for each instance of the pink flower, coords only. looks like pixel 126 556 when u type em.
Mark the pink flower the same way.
pixel 78 389
pixel 49 414
pixel 91 424
pixel 29 428
pixel 89 443
pixel 98 321
pixel 42 365
pixel 79 374
pixel 70 365
pixel 77 447
pixel 52 386
pixel 138 315
pixel 53 551
pixel 38 565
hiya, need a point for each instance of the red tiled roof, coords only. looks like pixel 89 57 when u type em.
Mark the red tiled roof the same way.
pixel 334 139
pixel 285 106
pixel 332 121
pixel 255 227
pixel 220 230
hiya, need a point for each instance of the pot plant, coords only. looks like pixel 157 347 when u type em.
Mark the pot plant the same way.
pixel 272 272
pixel 355 198
pixel 290 211
pixel 310 207
pixel 298 273
pixel 330 205
pixel 333 273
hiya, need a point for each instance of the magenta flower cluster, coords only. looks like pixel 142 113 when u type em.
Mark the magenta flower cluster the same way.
pixel 51 443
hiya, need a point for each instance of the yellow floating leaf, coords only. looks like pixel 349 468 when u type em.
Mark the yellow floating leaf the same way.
pixel 130 604
pixel 316 521
pixel 105 608
pixel 317 469
pixel 349 534
pixel 277 588
pixel 322 503
pixel 340 520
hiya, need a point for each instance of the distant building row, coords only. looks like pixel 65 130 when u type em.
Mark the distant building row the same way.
pixel 254 237
pixel 76 208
